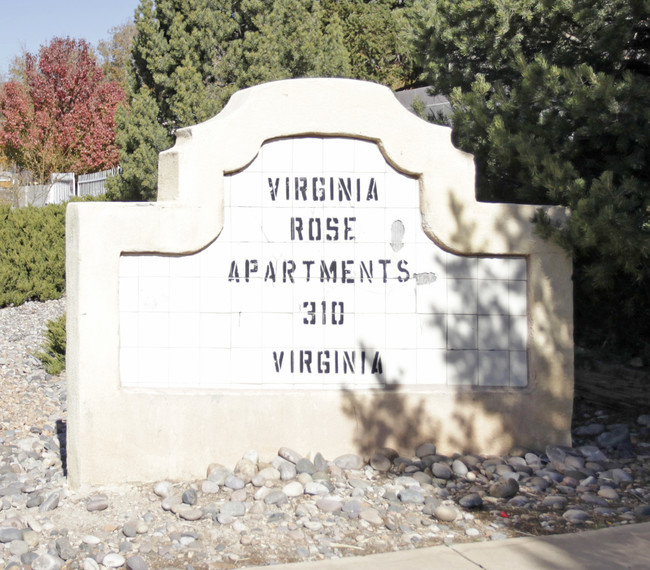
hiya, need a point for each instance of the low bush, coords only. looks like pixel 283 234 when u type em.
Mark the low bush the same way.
pixel 32 254
pixel 53 354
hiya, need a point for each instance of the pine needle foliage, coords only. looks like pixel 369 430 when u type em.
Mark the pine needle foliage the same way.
pixel 553 100
pixel 32 254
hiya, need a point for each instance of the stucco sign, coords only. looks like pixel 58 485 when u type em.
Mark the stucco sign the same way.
pixel 316 257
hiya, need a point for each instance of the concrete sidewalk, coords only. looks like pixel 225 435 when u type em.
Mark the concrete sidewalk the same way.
pixel 625 546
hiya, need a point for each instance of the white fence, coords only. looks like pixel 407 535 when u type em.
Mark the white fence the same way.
pixel 94 184
pixel 63 188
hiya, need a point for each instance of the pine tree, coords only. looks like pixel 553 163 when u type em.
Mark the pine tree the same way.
pixel 553 99
pixel 172 83
pixel 190 56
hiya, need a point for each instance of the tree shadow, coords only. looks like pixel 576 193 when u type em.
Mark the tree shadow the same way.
pixel 61 435
pixel 384 417
pixel 501 399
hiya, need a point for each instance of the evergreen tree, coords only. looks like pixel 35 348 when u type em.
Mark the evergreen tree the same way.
pixel 176 46
pixel 553 100
pixel 292 38
pixel 189 56
pixel 378 37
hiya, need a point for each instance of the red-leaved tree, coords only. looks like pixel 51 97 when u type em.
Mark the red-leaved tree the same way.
pixel 60 116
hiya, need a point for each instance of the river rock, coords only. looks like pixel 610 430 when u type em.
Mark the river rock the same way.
pixel 446 513
pixel 349 461
pixel 504 488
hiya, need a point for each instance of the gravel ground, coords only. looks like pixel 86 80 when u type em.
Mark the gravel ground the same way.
pixel 290 507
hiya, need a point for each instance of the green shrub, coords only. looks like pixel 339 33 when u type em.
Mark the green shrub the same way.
pixel 32 254
pixel 53 356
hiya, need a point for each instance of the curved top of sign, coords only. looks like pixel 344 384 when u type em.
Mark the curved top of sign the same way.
pixel 191 173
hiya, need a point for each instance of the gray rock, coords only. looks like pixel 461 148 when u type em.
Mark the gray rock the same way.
pixel 380 463
pixel 276 498
pixel 162 489
pixel 422 478
pixel 252 455
pixel 28 558
pixel 113 560
pixel 264 475
pixel 372 516
pixel 532 459
pixel 293 489
pixel 190 497
pixel 51 503
pixel 359 483
pixel 209 487
pixel 644 420
pixel 591 499
pixel 459 468
pixel 590 430
pixel 97 503
pixel 539 484
pixel 130 529
pixel 608 493
pixel 233 509
pixel 64 549
pixel 190 513
pixel 642 511
pixel 574 462
pixel 555 501
pixel 349 461
pixel 621 476
pixel 168 503
pixel 136 562
pixel 504 488
pixel 246 470
pixel 234 482
pixel 425 449
pixel 219 475
pixel 575 516
pixel 18 547
pixel 35 500
pixel 89 564
pixel 305 466
pixel 592 453
pixel 315 488
pixel 471 501
pixel 446 513
pixel 329 504
pixel 441 470
pixel 47 562
pixel 411 495
pixel 352 507
pixel 557 453
pixel 289 454
pixel 320 462
pixel 287 471
pixel 519 501
pixel 8 534
pixel 616 435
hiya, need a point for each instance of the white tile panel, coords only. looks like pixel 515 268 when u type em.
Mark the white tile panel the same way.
pixel 493 332
pixel 462 332
pixel 462 367
pixel 455 320
pixel 493 368
pixel 518 369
